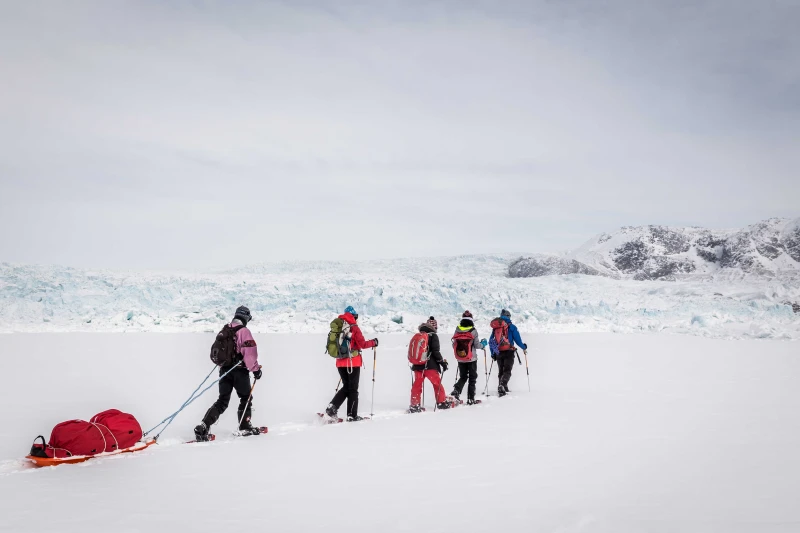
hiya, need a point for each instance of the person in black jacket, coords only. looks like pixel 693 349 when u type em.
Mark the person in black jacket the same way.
pixel 468 363
pixel 431 370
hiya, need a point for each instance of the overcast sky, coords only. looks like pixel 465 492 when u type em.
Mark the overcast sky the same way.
pixel 216 134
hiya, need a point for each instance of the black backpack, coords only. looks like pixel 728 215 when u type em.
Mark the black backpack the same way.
pixel 223 351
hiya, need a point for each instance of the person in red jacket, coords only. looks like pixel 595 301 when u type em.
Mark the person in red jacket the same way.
pixel 350 369
pixel 432 370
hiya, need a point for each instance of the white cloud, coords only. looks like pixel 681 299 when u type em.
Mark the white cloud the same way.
pixel 215 135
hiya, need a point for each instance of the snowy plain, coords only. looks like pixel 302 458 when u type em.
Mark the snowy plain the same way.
pixel 305 296
pixel 621 433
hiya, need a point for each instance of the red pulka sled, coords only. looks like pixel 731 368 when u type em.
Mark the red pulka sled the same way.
pixel 108 433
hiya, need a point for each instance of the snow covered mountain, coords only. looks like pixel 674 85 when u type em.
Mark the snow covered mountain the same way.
pixel 768 248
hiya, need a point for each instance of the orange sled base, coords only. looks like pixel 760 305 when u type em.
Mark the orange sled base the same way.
pixel 73 459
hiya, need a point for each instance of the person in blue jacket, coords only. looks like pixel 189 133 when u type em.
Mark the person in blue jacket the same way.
pixel 505 357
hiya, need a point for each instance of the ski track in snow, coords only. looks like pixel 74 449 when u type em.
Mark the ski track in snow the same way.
pixel 304 297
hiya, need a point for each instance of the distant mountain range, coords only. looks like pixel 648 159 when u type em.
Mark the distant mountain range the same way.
pixel 767 248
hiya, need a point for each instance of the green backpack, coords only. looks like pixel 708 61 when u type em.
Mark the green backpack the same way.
pixel 339 339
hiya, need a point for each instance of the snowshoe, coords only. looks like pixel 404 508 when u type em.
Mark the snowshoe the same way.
pixel 327 419
pixel 201 433
pixel 415 409
pixel 252 431
pixel 444 405
pixel 357 418
pixel 473 401
pixel 331 411
pixel 209 438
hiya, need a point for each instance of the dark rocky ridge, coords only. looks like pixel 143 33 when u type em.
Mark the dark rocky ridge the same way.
pixel 531 267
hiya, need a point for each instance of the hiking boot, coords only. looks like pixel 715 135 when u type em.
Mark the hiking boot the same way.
pixel 444 405
pixel 470 401
pixel 501 391
pixel 201 432
pixel 331 411
pixel 507 389
pixel 415 409
pixel 356 418
pixel 455 395
pixel 245 425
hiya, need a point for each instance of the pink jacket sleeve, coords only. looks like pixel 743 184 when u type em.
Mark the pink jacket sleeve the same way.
pixel 246 345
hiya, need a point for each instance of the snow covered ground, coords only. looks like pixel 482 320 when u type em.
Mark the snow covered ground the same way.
pixel 622 433
pixel 304 297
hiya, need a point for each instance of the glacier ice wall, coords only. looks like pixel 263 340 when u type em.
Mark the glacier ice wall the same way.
pixel 392 296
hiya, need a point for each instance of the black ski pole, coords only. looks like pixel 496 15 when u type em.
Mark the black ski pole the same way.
pixel 338 384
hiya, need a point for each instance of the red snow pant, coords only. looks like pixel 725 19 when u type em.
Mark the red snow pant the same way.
pixel 419 380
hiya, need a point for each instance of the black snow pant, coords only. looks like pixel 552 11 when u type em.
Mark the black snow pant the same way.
pixel 349 390
pixel 467 371
pixel 505 363
pixel 238 379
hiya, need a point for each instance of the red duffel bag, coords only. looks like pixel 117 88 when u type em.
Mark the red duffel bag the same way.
pixel 124 428
pixel 108 431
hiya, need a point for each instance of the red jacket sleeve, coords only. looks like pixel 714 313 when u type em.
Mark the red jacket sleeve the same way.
pixel 357 342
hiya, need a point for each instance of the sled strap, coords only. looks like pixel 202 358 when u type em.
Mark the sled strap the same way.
pixel 116 442
pixel 191 398
pixel 105 444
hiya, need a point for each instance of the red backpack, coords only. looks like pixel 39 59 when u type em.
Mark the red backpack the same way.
pixel 462 345
pixel 418 352
pixel 500 334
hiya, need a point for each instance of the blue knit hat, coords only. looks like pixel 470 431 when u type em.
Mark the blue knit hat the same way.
pixel 349 309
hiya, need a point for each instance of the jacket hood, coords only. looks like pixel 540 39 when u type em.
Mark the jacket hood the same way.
pixel 506 319
pixel 466 323
pixel 347 317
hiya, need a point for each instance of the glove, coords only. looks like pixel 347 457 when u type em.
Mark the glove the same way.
pixel 376 342
pixel 525 347
pixel 484 343
pixel 494 357
pixel 257 374
pixel 444 365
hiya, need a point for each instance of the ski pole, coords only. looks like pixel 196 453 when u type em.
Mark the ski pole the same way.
pixel 337 385
pixel 526 369
pixel 374 361
pixel 485 370
pixel 518 359
pixel 486 389
pixel 436 400
pixel 247 404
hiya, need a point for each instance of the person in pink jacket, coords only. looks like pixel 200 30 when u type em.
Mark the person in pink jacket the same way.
pixel 246 361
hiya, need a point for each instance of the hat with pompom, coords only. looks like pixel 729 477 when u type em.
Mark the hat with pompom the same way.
pixel 432 324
